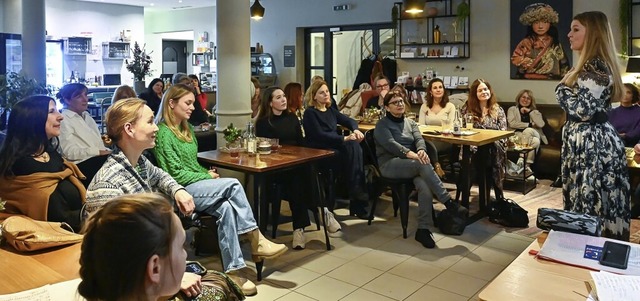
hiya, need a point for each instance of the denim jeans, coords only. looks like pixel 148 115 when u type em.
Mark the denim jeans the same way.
pixel 426 181
pixel 225 199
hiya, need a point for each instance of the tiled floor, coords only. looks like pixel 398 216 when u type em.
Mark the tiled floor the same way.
pixel 376 263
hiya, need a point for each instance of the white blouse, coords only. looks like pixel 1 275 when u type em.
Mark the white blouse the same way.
pixel 79 136
pixel 426 116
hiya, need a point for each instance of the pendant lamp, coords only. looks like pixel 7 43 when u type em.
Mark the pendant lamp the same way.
pixel 257 10
pixel 413 6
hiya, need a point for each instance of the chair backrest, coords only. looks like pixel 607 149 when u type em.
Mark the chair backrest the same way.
pixel 369 150
pixel 99 97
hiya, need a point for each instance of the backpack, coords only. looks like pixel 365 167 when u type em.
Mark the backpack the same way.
pixel 508 213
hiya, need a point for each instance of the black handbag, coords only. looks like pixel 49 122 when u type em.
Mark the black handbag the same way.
pixel 451 223
pixel 567 221
pixel 508 213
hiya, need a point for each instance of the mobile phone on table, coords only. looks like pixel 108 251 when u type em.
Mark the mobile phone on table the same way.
pixel 615 255
pixel 196 268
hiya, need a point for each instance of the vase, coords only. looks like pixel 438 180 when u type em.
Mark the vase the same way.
pixel 139 87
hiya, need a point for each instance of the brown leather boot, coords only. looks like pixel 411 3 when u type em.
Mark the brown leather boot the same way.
pixel 438 169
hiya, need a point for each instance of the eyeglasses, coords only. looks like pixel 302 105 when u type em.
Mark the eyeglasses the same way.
pixel 397 103
pixel 382 86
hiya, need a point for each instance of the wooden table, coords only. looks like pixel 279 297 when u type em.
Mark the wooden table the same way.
pixel 261 166
pixel 23 271
pixel 528 278
pixel 482 140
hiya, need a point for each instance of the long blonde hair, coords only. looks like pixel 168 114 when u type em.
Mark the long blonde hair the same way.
pixel 598 43
pixel 311 93
pixel 119 114
pixel 166 115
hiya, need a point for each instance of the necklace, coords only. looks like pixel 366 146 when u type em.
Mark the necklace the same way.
pixel 44 157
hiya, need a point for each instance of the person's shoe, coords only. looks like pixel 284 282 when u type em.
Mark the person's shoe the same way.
pixel 248 288
pixel 438 169
pixel 425 237
pixel 298 239
pixel 454 207
pixel 357 208
pixel 557 183
pixel 262 248
pixel 332 224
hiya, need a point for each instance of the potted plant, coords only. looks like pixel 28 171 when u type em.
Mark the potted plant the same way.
pixel 232 134
pixel 13 88
pixel 140 66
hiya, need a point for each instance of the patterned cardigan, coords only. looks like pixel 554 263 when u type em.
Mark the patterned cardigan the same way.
pixel 118 177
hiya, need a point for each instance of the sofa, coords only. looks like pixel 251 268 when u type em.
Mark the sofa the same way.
pixel 547 164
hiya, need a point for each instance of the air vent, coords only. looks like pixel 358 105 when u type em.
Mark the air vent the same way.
pixel 182 7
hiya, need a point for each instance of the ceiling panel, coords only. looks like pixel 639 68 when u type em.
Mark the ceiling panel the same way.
pixel 160 4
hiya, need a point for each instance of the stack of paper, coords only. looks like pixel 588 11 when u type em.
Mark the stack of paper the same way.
pixel 613 287
pixel 67 290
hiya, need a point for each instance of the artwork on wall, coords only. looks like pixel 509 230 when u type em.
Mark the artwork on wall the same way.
pixel 539 45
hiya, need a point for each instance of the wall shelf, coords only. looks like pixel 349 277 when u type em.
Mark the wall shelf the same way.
pixel 77 46
pixel 116 50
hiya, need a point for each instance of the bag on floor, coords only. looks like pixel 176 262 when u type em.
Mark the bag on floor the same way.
pixel 508 213
pixel 451 223
pixel 26 234
pixel 216 286
pixel 567 221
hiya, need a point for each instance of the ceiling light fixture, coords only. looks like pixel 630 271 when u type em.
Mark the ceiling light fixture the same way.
pixel 413 6
pixel 257 10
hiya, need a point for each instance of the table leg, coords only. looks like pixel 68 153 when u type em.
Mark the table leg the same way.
pixel 483 185
pixel 261 202
pixel 465 175
pixel 322 201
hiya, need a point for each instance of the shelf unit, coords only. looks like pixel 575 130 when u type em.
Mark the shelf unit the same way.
pixel 634 28
pixel 410 89
pixel 116 50
pixel 415 38
pixel 77 45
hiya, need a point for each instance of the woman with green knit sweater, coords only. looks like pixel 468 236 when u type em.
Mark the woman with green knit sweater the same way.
pixel 176 152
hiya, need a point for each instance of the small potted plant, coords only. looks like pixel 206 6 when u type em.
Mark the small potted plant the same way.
pixel 232 134
pixel 140 66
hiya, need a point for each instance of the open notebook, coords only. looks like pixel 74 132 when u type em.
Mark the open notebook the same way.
pixel 67 290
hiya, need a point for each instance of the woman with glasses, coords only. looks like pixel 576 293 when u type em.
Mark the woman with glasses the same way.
pixel 527 122
pixel 320 126
pixel 488 114
pixel 382 87
pixel 402 153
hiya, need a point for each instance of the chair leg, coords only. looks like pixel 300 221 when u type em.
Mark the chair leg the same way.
pixel 403 204
pixel 373 209
pixel 275 209
pixel 316 217
pixel 259 266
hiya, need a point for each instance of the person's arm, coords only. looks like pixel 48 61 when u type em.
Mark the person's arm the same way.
pixel 170 159
pixel 501 119
pixel 160 179
pixel 384 138
pixel 344 120
pixel 536 119
pixel 579 102
pixel 422 114
pixel 101 192
pixel 521 56
pixel 513 119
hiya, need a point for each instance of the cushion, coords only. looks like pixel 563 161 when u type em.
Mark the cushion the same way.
pixel 366 95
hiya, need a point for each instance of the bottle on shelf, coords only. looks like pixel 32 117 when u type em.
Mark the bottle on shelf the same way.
pixel 436 34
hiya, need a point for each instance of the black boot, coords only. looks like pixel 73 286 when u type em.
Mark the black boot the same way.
pixel 557 183
pixel 455 208
pixel 359 209
pixel 425 237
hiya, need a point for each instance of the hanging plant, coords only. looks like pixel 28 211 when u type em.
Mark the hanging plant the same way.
pixel 624 26
pixel 140 65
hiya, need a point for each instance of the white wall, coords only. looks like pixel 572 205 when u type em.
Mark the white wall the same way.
pixel 182 24
pixel 490 51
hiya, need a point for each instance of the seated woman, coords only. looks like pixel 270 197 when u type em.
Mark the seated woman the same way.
pixel 131 127
pixel 123 92
pixel 79 134
pixel 147 263
pixel 488 114
pixel 626 118
pixel 153 94
pixel 275 121
pixel 201 97
pixel 527 121
pixel 433 111
pixel 36 180
pixel 402 153
pixel 295 104
pixel 320 123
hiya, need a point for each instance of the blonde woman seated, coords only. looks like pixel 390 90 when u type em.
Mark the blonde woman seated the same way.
pixel 527 122
pixel 131 127
pixel 434 110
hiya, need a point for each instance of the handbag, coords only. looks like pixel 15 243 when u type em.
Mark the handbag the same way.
pixel 26 234
pixel 451 223
pixel 567 221
pixel 508 213
pixel 216 286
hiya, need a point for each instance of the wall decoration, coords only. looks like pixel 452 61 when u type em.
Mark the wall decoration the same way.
pixel 539 45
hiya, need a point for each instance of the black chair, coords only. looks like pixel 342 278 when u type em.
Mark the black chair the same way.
pixel 400 188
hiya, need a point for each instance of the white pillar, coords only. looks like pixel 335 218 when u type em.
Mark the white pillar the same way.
pixel 233 65
pixel 34 40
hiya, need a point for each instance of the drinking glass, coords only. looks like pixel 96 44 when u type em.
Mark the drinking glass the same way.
pixel 275 144
pixel 468 121
pixel 234 151
pixel 446 126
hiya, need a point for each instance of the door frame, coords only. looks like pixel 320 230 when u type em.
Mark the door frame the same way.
pixel 328 48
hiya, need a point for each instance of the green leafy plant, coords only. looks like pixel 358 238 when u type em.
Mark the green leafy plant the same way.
pixel 462 11
pixel 16 86
pixel 140 65
pixel 231 133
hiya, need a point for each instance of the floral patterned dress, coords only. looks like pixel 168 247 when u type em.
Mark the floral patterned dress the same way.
pixel 496 120
pixel 595 179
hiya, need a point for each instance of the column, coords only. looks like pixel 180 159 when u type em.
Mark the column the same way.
pixel 233 65
pixel 34 40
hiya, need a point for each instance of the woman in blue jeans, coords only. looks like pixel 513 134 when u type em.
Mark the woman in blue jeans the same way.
pixel 402 153
pixel 131 126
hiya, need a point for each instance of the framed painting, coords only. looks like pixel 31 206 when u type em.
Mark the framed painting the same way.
pixel 539 45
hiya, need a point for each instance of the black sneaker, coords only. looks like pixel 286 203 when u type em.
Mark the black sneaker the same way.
pixel 425 237
pixel 557 183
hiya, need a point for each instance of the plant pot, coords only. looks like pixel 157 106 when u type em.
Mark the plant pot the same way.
pixel 139 87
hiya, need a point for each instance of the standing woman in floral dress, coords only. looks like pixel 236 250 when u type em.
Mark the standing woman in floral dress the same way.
pixel 595 179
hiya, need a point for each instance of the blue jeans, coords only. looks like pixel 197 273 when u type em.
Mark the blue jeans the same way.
pixel 225 199
pixel 426 181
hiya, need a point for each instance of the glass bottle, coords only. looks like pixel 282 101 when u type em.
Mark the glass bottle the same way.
pixel 436 34
pixel 250 139
pixel 456 124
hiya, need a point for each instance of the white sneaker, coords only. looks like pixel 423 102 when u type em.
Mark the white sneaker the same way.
pixel 298 239
pixel 332 224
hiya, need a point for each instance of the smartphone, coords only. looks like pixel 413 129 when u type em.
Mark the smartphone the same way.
pixel 615 255
pixel 196 268
pixel 433 132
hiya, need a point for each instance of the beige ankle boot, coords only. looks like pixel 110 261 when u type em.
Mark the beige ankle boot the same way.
pixel 262 248
pixel 438 169
pixel 248 288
